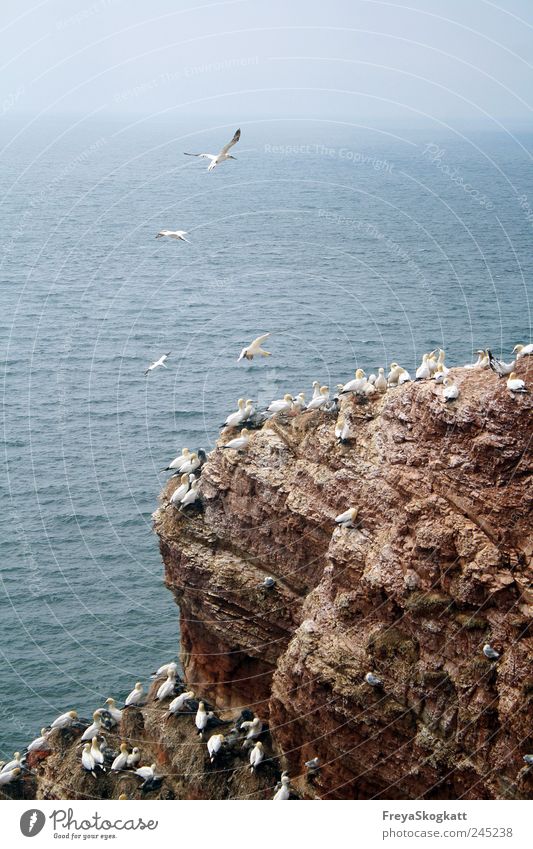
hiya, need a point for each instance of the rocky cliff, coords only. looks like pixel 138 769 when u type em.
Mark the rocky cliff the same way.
pixel 439 563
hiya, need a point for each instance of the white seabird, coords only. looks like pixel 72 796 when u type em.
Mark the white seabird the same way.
pixel 134 758
pixel 200 720
pixel 316 389
pixel 96 753
pixel 191 464
pixel 39 742
pixel 281 405
pixel 178 461
pixel 403 377
pixel 254 349
pixel 451 390
pixel 423 371
pixel 440 374
pixel 214 744
pixel 8 777
pixel 167 687
pixel 381 381
pixel 355 385
pixel 146 772
pixel 482 361
pixel 158 363
pixel 283 793
pixel 253 729
pixel 299 403
pixel 87 760
pixel 16 762
pixel 180 491
pixel 235 419
pixel 320 401
pixel 490 653
pixel 93 729
pixel 113 710
pixel 178 703
pixel 373 680
pixel 121 760
pixel 171 666
pixel 217 158
pixel 256 756
pixel 192 495
pixel 394 374
pixel 65 719
pixel 498 366
pixel 240 442
pixel 173 234
pixel 516 384
pixel 523 350
pixel 135 697
pixel 347 519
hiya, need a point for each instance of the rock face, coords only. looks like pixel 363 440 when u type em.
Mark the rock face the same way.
pixel 438 564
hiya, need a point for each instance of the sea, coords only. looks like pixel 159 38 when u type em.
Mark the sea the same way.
pixel 353 246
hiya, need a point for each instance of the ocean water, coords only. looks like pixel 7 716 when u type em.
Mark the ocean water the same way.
pixel 354 247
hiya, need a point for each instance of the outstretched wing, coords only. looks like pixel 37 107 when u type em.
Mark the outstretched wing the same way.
pixel 259 341
pixel 230 144
pixel 210 156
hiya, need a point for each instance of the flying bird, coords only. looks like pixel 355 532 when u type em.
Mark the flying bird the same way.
pixel 159 362
pixel 179 235
pixel 222 156
pixel 254 349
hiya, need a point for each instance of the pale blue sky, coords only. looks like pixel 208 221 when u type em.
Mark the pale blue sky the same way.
pixel 465 62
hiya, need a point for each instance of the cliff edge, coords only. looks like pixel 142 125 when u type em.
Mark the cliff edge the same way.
pixel 439 563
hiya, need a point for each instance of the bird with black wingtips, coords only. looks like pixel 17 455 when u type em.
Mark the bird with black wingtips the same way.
pixel 178 235
pixel 222 156
pixel 498 366
pixel 254 349
pixel 214 745
pixel 95 727
pixel 257 755
pixel 523 350
pixel 158 363
pixel 40 743
pixel 180 702
pixel 136 696
pixel 167 687
pixel 516 385
pixel 200 719
pixel 114 711
pixel 121 760
pixel 65 719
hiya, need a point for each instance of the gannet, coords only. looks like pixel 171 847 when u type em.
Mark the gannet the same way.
pixel 451 390
pixel 146 772
pixel 121 760
pixel 394 374
pixel 113 710
pixel 403 377
pixel 372 378
pixel 516 384
pixel 254 349
pixel 181 490
pixel 283 793
pixel 268 583
pixel 235 419
pixel 135 696
pixel 482 360
pixel 490 653
pixel 248 409
pixel 253 729
pixel 320 401
pixel 373 680
pixel 200 719
pixel 381 381
pixel 178 703
pixel 93 729
pixel 192 495
pixel 171 666
pixel 342 432
pixel 347 519
pixel 214 744
pixel 16 762
pixel 423 371
pixel 134 758
pixel 87 760
pixel 173 234
pixel 299 403
pixel 167 687
pixel 440 374
pixel 282 405
pixel 369 389
pixel 178 461
pixel 159 362
pixel 39 742
pixel 240 442
pixel 8 777
pixel 432 363
pixel 191 464
pixel 216 159
pixel 356 385
pixel 96 753
pixel 502 369
pixel 523 350
pixel 316 389
pixel 313 764
pixel 65 719
pixel 256 756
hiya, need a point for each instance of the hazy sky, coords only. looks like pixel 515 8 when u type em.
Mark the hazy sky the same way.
pixel 457 61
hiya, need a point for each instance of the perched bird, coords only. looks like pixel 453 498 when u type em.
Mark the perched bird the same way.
pixel 482 361
pixel 113 710
pixel 214 745
pixel 145 772
pixel 192 495
pixel 240 442
pixel 158 363
pixel 283 793
pixel 167 687
pixel 173 234
pixel 256 756
pixel 440 374
pixel 268 583
pixel 320 401
pixel 8 777
pixel 171 666
pixel 40 743
pixel 181 490
pixel 178 703
pixel 254 349
pixel 299 403
pixel 191 464
pixel 347 519
pixel 134 758
pixel 87 760
pixel 394 374
pixel 403 377
pixel 316 389
pixel 281 405
pixel 490 653
pixel 342 430
pixel 355 385
pixel 373 680
pixel 528 759
pixel 95 728
pixel 381 381
pixel 313 764
pixel 523 350
pixel 65 720
pixel 135 697
pixel 178 461
pixel 451 390
pixel 235 419
pixel 222 156
pixel 121 760
pixel 502 369
pixel 96 754
pixel 253 729
pixel 200 719
pixel 423 371
pixel 13 764
pixel 516 384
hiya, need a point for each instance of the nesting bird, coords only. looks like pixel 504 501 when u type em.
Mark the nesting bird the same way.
pixel 490 653
pixel 381 381
pixel 13 764
pixel 214 745
pixel 65 720
pixel 347 519
pixel 515 384
pixel 320 401
pixel 200 720
pixel 134 758
pixel 113 710
pixel 356 385
pixel 121 760
pixel 136 695
pixel 373 680
pixel 523 350
pixel 167 687
pixel 93 729
pixel 451 390
pixel 283 793
pixel 9 777
pixel 500 368
pixel 281 405
pixel 39 743
pixel 256 756
pixel 240 442
pixel 177 704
